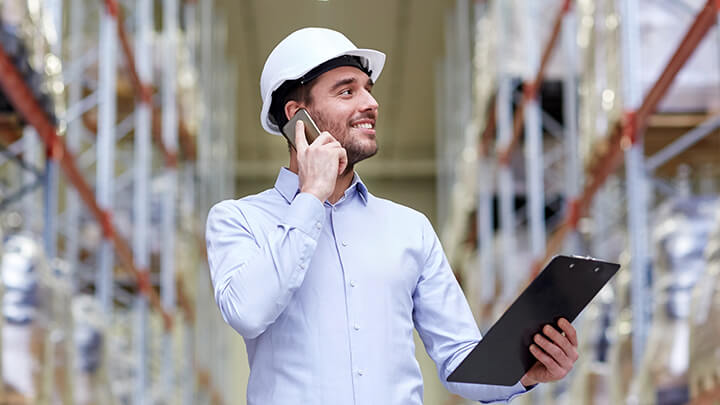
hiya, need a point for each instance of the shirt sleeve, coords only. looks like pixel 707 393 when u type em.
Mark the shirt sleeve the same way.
pixel 446 325
pixel 254 280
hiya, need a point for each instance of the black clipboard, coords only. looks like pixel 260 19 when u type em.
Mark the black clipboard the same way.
pixel 561 290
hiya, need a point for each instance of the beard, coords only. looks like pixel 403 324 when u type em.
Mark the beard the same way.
pixel 354 147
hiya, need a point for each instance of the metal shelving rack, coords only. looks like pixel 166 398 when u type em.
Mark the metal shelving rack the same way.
pixel 189 373
pixel 623 143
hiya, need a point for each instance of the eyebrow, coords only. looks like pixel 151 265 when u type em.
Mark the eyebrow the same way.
pixel 346 81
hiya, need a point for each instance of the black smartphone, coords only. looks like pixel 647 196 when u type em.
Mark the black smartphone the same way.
pixel 311 130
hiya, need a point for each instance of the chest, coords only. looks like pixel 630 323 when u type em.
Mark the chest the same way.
pixel 369 252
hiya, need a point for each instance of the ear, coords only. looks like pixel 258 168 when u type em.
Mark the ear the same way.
pixel 291 107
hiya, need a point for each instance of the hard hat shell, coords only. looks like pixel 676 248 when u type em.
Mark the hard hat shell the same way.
pixel 302 51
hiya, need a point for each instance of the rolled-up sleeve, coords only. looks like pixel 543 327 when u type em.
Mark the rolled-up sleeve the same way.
pixel 446 325
pixel 254 278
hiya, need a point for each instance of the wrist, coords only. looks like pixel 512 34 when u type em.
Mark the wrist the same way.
pixel 314 193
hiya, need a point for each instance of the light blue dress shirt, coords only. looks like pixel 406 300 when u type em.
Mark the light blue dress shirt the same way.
pixel 326 297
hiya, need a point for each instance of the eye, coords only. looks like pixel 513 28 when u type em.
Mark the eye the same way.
pixel 346 92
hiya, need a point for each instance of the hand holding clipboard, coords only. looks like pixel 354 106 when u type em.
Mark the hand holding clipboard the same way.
pixel 562 290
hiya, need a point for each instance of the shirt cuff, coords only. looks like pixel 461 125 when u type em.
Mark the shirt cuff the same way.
pixel 528 388
pixel 307 214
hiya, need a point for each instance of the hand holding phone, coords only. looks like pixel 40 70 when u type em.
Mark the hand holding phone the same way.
pixel 319 162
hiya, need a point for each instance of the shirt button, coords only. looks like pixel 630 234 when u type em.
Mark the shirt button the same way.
pixel 318 225
pixel 302 265
pixel 356 327
pixel 344 243
pixel 361 372
pixel 352 283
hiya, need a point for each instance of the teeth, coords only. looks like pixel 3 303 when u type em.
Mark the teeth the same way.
pixel 366 125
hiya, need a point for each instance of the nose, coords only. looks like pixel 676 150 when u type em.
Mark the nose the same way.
pixel 369 103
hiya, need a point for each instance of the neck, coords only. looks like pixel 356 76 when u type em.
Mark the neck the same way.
pixel 342 182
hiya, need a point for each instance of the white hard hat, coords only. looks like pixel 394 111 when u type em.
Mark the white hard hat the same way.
pixel 302 51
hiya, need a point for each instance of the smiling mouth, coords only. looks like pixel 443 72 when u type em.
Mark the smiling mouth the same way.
pixel 364 125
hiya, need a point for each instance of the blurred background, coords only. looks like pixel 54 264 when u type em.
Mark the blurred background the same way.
pixel 522 129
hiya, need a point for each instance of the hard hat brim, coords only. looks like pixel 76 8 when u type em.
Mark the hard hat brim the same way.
pixel 376 62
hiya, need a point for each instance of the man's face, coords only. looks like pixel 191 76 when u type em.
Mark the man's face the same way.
pixel 342 105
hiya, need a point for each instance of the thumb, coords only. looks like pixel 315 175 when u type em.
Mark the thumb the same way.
pixel 300 140
pixel 342 162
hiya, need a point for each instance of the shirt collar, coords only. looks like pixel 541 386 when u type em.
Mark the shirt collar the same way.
pixel 287 184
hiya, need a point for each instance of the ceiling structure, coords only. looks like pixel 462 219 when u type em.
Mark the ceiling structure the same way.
pixel 411 33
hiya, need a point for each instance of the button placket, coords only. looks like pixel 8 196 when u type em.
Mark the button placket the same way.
pixel 336 229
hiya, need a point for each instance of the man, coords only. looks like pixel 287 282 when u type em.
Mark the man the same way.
pixel 324 280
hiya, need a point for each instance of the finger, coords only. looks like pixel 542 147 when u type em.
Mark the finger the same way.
pixel 547 361
pixel 324 138
pixel 561 340
pixel 300 140
pixel 553 351
pixel 334 144
pixel 569 330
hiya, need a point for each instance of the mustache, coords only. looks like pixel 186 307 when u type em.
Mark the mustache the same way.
pixel 366 115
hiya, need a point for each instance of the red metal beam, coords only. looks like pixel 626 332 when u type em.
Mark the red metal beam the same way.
pixel 23 100
pixel 622 135
pixel 487 135
pixel 706 18
pixel 144 91
pixel 530 89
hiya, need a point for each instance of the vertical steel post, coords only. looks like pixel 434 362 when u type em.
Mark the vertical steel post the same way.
pixel 190 16
pixel 170 139
pixel 570 118
pixel 50 208
pixel 533 150
pixel 54 9
pixel 717 32
pixel 30 152
pixel 440 129
pixel 636 184
pixel 204 143
pixel 464 69
pixel 74 134
pixel 485 186
pixel 106 147
pixel 505 180
pixel 232 130
pixel 205 134
pixel 72 143
pixel 2 322
pixel 219 155
pixel 451 120
pixel 533 137
pixel 141 194
pixel 219 49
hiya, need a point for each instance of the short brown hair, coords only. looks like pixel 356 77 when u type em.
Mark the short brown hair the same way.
pixel 291 90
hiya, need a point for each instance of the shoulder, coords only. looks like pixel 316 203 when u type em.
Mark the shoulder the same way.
pixel 241 207
pixel 400 214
